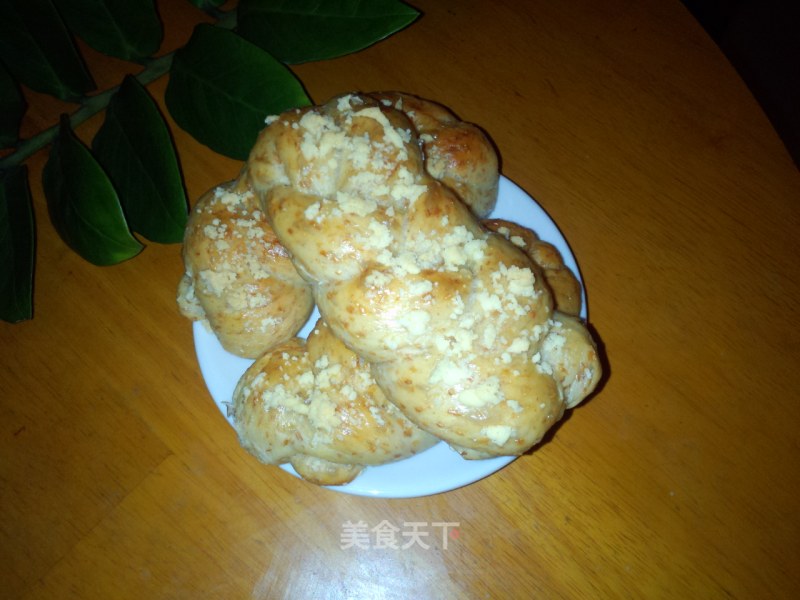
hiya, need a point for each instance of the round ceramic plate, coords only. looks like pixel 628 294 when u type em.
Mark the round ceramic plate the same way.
pixel 438 469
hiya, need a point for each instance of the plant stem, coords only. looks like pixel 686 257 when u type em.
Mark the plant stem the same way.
pixel 91 105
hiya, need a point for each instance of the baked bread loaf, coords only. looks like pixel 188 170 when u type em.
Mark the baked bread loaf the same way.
pixel 454 152
pixel 457 321
pixel 238 278
pixel 562 282
pixel 240 281
pixel 315 404
pixel 341 427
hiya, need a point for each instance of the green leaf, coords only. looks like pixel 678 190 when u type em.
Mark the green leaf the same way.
pixel 135 149
pixel 207 4
pixel 296 31
pixel 12 107
pixel 39 52
pixel 222 87
pixel 127 29
pixel 17 236
pixel 83 205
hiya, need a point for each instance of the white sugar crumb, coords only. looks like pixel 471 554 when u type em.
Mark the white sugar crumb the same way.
pixel 406 264
pixel 256 268
pixel 420 287
pixel 380 236
pixel 415 322
pixel 312 211
pixel 215 230
pixel 457 343
pixel 257 300
pixel 520 281
pixel 280 395
pixel 349 392
pixel 519 345
pixel 517 241
pixel 268 323
pixel 459 247
pixel 355 204
pixel 306 380
pixel 390 134
pixel 377 415
pixel 449 374
pixel 487 392
pixel 408 192
pixel 216 282
pixel 554 342
pixel 458 307
pixel 368 185
pixel 545 368
pixel 343 104
pixel 377 280
pixel 497 434
pixel 489 336
pixel 322 413
pixel 489 302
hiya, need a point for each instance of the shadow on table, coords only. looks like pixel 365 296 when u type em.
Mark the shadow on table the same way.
pixel 761 39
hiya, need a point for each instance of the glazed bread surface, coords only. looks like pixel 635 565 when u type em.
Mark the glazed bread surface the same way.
pixel 238 278
pixel 457 321
pixel 315 405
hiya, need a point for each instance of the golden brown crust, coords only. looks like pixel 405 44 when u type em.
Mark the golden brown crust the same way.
pixel 457 321
pixel 239 278
pixel 457 153
pixel 316 405
pixel 563 284
pixel 435 326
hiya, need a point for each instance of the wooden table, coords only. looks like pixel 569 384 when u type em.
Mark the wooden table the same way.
pixel 680 478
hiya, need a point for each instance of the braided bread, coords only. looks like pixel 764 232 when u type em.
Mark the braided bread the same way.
pixel 457 321
pixel 455 152
pixel 314 404
pixel 563 284
pixel 238 278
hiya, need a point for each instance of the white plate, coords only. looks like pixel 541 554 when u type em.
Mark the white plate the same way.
pixel 438 469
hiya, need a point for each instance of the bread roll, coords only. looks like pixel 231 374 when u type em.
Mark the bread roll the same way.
pixel 315 405
pixel 238 278
pixel 264 419
pixel 233 246
pixel 562 282
pixel 457 321
pixel 457 153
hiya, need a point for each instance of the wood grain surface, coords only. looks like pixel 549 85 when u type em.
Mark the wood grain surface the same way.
pixel 119 478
